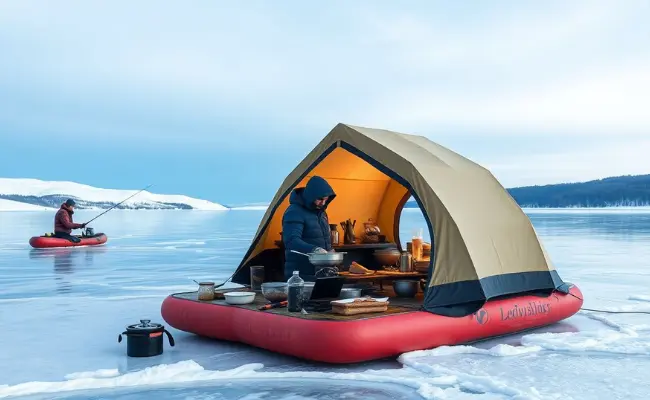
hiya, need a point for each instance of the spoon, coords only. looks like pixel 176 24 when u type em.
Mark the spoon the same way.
pixel 215 286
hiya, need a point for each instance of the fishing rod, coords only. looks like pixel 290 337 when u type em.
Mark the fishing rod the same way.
pixel 141 190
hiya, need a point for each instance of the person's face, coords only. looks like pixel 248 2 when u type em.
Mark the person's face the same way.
pixel 71 207
pixel 320 203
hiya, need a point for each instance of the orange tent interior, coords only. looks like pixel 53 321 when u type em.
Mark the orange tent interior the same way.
pixel 363 193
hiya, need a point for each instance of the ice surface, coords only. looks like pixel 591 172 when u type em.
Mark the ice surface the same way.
pixel 10 205
pixel 62 309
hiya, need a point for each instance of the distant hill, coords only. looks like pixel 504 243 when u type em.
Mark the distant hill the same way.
pixel 33 194
pixel 617 191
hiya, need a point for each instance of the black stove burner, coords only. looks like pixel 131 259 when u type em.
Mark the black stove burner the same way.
pixel 320 305
pixel 327 272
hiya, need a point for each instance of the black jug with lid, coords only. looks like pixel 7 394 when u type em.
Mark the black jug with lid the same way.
pixel 145 339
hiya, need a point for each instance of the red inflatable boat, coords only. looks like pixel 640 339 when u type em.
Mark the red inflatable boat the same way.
pixel 45 242
pixel 348 339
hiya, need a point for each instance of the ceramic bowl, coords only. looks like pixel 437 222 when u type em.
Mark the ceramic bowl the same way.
pixel 239 297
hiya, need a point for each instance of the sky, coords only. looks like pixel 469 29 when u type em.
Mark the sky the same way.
pixel 221 99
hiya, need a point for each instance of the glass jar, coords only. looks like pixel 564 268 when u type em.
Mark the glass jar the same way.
pixel 257 277
pixel 417 245
pixel 206 291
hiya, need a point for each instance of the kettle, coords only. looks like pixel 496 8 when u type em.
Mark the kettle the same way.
pixel 405 262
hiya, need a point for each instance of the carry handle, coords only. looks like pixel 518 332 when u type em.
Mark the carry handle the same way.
pixel 169 336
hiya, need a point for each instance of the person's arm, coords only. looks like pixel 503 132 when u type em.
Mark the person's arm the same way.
pixel 65 221
pixel 292 226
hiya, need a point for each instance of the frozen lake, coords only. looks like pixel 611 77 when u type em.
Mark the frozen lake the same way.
pixel 62 310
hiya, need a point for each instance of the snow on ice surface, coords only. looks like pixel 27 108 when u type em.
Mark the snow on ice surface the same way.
pixel 62 310
pixel 35 187
pixel 10 205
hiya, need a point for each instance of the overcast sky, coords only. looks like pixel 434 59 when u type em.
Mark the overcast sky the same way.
pixel 193 96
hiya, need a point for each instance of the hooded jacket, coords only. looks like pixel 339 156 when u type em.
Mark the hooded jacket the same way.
pixel 63 220
pixel 305 227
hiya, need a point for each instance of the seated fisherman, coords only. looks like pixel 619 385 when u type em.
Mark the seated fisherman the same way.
pixel 63 224
pixel 305 226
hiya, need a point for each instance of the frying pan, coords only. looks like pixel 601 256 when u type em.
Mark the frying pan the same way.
pixel 324 259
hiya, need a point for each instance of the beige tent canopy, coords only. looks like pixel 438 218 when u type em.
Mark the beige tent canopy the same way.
pixel 484 245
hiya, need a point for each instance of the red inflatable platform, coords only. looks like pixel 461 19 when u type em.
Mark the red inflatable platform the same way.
pixel 350 339
pixel 44 242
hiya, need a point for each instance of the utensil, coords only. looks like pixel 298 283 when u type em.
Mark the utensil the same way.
pixel 405 287
pixel 273 305
pixel 215 286
pixel 274 292
pixel 348 231
pixel 324 259
pixel 239 297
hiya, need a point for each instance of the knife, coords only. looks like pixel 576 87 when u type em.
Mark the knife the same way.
pixel 273 305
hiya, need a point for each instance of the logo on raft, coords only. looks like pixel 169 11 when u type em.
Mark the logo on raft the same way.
pixel 531 309
pixel 517 311
pixel 482 316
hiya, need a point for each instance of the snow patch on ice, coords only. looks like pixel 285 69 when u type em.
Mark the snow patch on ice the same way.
pixel 601 341
pixel 462 382
pixel 639 297
pixel 435 383
pixel 100 373
pixel 501 350
pixel 623 339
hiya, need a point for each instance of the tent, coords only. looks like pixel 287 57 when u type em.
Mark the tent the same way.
pixel 483 244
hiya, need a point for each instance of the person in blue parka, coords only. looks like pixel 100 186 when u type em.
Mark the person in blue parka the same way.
pixel 305 226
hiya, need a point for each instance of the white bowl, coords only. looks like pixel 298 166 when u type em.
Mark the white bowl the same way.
pixel 239 297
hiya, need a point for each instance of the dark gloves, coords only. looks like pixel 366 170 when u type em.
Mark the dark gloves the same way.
pixel 83 225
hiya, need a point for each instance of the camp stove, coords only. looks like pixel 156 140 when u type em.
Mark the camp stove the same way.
pixel 327 272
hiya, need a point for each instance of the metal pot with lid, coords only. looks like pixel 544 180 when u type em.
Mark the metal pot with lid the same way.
pixel 145 339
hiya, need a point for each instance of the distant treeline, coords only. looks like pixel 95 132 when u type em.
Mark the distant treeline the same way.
pixel 618 191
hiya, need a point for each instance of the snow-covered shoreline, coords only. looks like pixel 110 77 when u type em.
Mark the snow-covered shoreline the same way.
pixel 50 194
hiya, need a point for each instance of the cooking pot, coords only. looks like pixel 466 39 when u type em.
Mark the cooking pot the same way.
pixel 324 259
pixel 350 293
pixel 145 339
pixel 405 287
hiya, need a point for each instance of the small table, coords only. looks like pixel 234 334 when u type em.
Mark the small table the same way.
pixel 382 277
